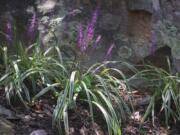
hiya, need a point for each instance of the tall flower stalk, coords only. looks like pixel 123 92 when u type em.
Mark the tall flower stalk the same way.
pixel 80 38
pixel 32 27
pixel 85 37
pixel 91 27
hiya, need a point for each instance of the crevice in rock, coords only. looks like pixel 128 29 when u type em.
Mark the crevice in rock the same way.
pixel 159 58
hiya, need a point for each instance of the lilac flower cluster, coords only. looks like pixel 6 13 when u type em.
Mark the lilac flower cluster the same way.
pixel 91 26
pixel 80 38
pixel 31 32
pixel 84 38
pixel 32 27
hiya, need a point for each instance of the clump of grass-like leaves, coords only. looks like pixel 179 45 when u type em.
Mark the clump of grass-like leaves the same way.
pixel 166 92
pixel 30 71
pixel 101 90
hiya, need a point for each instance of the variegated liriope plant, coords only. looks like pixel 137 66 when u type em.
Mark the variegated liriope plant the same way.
pixel 33 71
pixel 98 86
pixel 30 69
pixel 165 86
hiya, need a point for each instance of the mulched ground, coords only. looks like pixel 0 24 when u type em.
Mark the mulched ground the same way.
pixel 26 121
pixel 134 125
pixel 40 117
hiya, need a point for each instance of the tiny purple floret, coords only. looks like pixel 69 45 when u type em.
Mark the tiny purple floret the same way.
pixel 109 51
pixel 97 41
pixel 80 37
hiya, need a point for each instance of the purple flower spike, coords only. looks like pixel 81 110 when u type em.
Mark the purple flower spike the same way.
pixel 9 31
pixel 32 27
pixel 153 43
pixel 33 23
pixel 84 38
pixel 80 37
pixel 91 27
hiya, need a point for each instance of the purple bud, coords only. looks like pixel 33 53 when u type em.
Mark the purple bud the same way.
pixel 109 51
pixel 97 41
pixel 9 26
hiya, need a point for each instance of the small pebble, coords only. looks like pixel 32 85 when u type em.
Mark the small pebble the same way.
pixel 39 132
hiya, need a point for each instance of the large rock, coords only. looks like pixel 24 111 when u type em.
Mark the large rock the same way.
pixel 136 27
pixel 110 22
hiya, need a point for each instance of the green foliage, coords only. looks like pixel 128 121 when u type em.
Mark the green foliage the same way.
pixel 30 70
pixel 101 90
pixel 166 92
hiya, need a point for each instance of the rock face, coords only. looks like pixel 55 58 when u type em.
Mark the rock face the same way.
pixel 136 27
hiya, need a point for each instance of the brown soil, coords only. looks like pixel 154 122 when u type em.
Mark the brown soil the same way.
pixel 40 117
